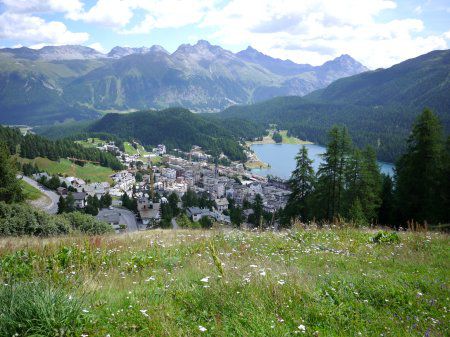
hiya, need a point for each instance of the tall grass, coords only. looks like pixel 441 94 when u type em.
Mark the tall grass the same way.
pixel 312 282
pixel 38 309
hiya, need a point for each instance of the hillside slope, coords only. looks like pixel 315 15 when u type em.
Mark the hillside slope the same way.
pixel 378 106
pixel 76 82
pixel 178 128
pixel 420 82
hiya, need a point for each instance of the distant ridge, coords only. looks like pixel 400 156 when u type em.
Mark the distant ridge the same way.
pixel 77 82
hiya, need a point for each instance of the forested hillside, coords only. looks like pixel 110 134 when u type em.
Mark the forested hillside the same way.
pixel 31 146
pixel 378 107
pixel 417 83
pixel 180 128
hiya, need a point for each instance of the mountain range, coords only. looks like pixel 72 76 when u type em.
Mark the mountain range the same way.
pixel 378 107
pixel 57 83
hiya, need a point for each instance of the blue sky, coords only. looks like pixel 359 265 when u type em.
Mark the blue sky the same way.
pixel 378 33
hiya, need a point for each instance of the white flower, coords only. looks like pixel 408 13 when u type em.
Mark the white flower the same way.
pixel 281 282
pixel 262 273
pixel 85 311
pixel 205 279
pixel 144 312
pixel 301 327
pixel 151 278
pixel 202 328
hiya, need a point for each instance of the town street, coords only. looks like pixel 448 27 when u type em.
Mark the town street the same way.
pixel 51 204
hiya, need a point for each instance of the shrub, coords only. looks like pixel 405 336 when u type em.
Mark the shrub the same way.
pixel 86 223
pixel 38 309
pixel 386 237
pixel 21 219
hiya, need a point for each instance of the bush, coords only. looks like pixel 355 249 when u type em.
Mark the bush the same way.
pixel 86 223
pixel 21 219
pixel 277 138
pixel 386 237
pixel 38 309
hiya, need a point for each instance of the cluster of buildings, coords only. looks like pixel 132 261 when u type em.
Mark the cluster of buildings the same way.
pixel 177 174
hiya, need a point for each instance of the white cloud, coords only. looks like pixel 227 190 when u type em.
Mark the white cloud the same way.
pixel 70 7
pixel 112 13
pixel 33 29
pixel 118 14
pixel 317 30
pixel 98 47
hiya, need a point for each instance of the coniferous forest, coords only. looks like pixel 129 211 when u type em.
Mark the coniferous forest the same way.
pixel 31 146
pixel 349 185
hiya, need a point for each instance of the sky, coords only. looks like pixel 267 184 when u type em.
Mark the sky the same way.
pixel 378 33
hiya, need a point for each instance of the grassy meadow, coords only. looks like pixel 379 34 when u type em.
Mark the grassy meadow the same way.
pixel 30 192
pixel 315 282
pixel 88 172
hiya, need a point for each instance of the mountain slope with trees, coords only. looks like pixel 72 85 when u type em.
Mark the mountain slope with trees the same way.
pixel 377 107
pixel 349 185
pixel 54 84
pixel 180 128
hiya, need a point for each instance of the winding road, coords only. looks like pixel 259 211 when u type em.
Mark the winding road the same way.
pixel 51 204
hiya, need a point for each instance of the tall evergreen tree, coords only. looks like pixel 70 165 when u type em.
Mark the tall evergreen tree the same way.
pixel 420 170
pixel 364 182
pixel 302 183
pixel 62 206
pixel 10 189
pixel 386 210
pixel 331 174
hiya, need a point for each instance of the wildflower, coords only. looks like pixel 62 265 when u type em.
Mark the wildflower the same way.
pixel 281 282
pixel 151 278
pixel 301 327
pixel 205 279
pixel 144 312
pixel 202 328
pixel 262 273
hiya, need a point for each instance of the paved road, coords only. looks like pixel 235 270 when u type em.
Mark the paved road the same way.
pixel 51 207
pixel 129 219
pixel 126 217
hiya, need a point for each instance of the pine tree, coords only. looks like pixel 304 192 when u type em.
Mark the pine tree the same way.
pixel 62 206
pixel 302 183
pixel 386 210
pixel 420 172
pixel 363 182
pixel 70 203
pixel 10 189
pixel 357 215
pixel 331 174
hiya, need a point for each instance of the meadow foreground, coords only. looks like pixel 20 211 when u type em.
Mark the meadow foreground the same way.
pixel 316 282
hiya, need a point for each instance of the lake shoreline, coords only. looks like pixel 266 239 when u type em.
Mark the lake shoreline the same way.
pixel 280 159
pixel 255 163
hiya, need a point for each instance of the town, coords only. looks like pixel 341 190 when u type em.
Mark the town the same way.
pixel 179 189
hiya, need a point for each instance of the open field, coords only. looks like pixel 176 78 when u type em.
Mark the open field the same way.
pixel 292 140
pixel 88 172
pixel 256 165
pixel 286 139
pixel 30 192
pixel 129 149
pixel 91 142
pixel 233 283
